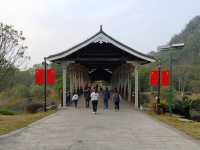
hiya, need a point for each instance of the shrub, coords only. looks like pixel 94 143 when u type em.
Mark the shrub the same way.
pixel 195 110
pixel 195 104
pixel 182 107
pixel 34 107
pixel 37 91
pixel 6 112
pixel 185 98
pixel 163 107
pixel 21 90
pixel 195 115
pixel 188 93
pixel 152 105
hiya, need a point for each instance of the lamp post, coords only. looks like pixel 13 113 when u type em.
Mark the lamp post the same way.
pixel 171 48
pixel 159 77
pixel 45 84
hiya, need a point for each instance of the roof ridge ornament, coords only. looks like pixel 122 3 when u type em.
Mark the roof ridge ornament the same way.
pixel 101 28
pixel 101 39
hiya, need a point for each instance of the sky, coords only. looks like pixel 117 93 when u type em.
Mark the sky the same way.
pixel 52 26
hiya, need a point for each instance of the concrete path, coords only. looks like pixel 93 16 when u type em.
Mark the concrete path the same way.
pixel 71 129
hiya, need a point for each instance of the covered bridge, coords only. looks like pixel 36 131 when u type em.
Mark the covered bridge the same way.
pixel 101 57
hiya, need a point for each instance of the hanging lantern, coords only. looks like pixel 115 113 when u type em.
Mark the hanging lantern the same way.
pixel 154 78
pixel 39 76
pixel 51 76
pixel 165 78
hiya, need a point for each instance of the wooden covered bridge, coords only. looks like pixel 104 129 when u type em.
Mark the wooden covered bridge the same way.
pixel 101 57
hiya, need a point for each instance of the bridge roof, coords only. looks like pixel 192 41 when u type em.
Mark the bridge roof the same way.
pixel 100 38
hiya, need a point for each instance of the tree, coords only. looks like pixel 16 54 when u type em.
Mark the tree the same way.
pixel 12 50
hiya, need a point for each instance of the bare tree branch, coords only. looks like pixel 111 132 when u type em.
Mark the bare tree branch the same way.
pixel 12 49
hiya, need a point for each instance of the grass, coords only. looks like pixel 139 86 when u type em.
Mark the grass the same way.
pixel 6 112
pixel 191 128
pixel 11 123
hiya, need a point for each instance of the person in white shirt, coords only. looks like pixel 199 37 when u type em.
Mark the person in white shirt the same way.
pixel 94 98
pixel 75 99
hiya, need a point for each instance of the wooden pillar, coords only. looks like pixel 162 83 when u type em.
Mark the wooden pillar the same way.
pixel 136 88
pixel 129 87
pixel 64 70
pixel 71 81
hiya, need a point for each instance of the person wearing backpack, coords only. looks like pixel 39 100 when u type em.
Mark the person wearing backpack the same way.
pixel 87 97
pixel 116 99
pixel 75 99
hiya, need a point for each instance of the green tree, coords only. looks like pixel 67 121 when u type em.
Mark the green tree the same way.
pixel 12 50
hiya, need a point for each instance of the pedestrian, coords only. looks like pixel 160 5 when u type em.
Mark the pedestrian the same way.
pixel 116 99
pixel 87 97
pixel 75 99
pixel 61 96
pixel 68 98
pixel 94 98
pixel 106 97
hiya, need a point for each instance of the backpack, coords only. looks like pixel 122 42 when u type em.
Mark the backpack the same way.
pixel 117 98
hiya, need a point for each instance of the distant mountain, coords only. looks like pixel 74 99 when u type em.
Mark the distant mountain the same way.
pixel 190 54
pixel 186 61
pixel 191 37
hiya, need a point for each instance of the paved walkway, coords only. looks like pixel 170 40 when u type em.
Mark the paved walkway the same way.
pixel 71 129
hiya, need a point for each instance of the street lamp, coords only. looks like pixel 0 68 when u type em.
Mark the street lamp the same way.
pixel 159 78
pixel 170 48
pixel 45 84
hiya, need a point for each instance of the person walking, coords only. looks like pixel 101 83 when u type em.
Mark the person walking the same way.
pixel 75 99
pixel 116 99
pixel 87 97
pixel 61 96
pixel 68 98
pixel 94 98
pixel 106 97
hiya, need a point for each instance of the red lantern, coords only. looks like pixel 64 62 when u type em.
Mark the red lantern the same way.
pixel 39 76
pixel 165 78
pixel 51 76
pixel 154 78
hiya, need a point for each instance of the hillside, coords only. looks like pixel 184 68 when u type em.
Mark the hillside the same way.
pixel 191 37
pixel 186 61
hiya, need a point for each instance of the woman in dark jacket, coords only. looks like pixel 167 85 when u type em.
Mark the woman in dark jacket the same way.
pixel 116 99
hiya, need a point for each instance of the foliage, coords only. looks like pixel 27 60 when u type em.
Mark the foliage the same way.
pixel 21 90
pixel 186 61
pixel 195 104
pixel 144 79
pixel 37 91
pixel 163 106
pixel 12 50
pixel 34 107
pixel 195 110
pixel 23 77
pixel 6 112
pixel 195 85
pixel 182 107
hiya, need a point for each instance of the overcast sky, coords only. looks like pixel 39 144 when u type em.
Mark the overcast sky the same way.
pixel 52 26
